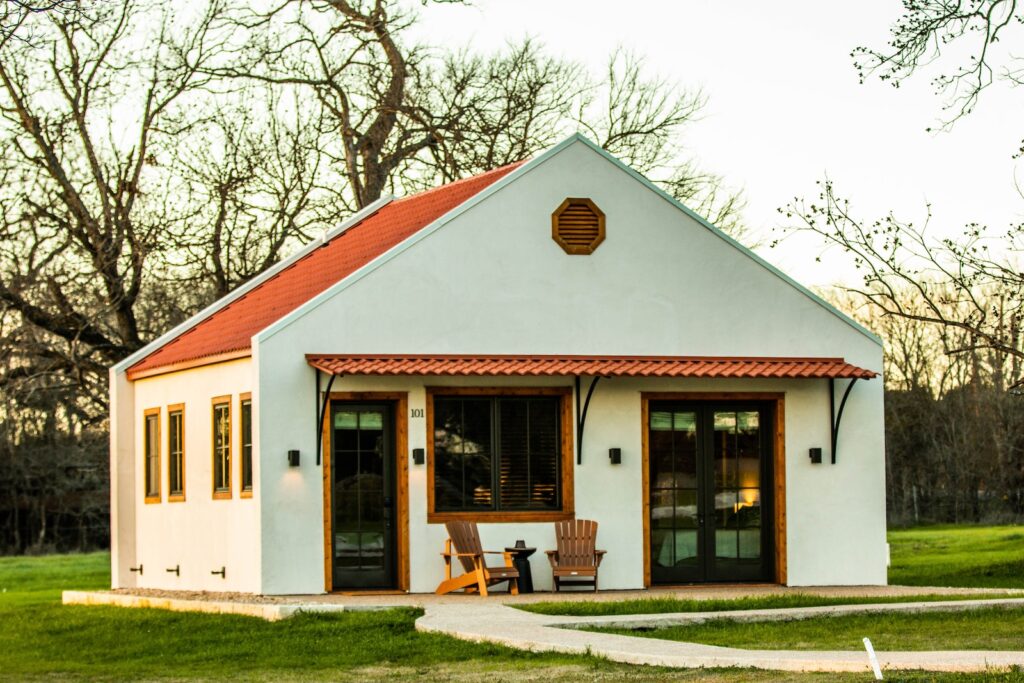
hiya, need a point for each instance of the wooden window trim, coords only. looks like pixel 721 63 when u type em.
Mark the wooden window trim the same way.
pixel 242 491
pixel 568 510
pixel 214 403
pixel 145 458
pixel 778 466
pixel 401 426
pixel 176 408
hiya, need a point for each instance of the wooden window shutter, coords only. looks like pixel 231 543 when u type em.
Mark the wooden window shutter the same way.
pixel 578 226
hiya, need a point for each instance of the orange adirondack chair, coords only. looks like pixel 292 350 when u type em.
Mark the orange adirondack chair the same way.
pixel 464 544
pixel 576 558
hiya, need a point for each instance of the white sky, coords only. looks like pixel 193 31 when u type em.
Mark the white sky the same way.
pixel 785 106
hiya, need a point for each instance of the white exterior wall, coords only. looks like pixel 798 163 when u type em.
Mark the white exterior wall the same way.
pixel 491 281
pixel 199 534
pixel 123 498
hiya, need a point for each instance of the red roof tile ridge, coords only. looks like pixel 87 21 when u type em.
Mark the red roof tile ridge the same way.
pixel 460 181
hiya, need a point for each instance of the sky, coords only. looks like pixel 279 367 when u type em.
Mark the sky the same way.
pixel 785 107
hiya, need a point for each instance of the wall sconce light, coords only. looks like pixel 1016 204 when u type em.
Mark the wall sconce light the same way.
pixel 293 458
pixel 615 455
pixel 418 456
pixel 815 454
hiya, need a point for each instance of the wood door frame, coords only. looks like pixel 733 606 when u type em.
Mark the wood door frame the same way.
pixel 400 401
pixel 778 483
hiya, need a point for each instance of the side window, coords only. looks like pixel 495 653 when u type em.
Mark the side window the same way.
pixel 246 417
pixel 222 447
pixel 151 455
pixel 176 452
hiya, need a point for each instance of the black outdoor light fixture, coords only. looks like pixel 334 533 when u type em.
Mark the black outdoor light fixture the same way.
pixel 615 455
pixel 418 456
pixel 815 454
pixel 293 458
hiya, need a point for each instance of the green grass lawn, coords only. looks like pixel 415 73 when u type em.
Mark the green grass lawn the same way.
pixel 42 640
pixel 41 637
pixel 983 629
pixel 672 605
pixel 988 557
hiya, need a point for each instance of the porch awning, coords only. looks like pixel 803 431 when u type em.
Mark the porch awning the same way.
pixel 593 366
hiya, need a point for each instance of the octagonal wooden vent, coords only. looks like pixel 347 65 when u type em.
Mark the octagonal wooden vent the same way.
pixel 578 226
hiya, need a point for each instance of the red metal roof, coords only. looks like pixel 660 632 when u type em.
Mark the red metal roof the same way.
pixel 603 366
pixel 227 332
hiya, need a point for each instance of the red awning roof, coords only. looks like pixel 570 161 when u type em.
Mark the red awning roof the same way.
pixel 603 366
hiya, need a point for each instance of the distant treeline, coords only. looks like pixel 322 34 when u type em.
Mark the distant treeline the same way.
pixel 55 494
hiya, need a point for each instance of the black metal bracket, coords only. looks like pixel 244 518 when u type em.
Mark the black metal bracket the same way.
pixel 136 569
pixel 321 411
pixel 176 570
pixel 223 573
pixel 835 419
pixel 581 418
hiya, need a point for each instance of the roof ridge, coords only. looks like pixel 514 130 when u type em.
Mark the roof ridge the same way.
pixel 460 181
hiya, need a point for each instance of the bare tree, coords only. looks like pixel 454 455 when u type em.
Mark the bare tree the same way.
pixel 965 32
pixel 16 14
pixel 252 171
pixel 970 288
pixel 404 116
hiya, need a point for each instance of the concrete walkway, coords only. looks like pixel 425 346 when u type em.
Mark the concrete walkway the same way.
pixel 494 620
pixel 497 623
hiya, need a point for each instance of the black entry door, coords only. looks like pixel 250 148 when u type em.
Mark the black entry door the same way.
pixel 710 492
pixel 363 496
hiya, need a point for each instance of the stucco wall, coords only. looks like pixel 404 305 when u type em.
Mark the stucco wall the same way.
pixel 493 281
pixel 199 534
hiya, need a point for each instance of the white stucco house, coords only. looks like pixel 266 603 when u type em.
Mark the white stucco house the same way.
pixel 553 339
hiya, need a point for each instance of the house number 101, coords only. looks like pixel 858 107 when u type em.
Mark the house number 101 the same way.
pixel 416 412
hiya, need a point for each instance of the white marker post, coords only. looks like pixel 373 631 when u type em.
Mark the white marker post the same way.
pixel 873 659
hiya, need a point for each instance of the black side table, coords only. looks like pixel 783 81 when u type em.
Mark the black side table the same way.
pixel 521 559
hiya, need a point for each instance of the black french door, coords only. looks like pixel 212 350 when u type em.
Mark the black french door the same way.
pixel 710 491
pixel 363 496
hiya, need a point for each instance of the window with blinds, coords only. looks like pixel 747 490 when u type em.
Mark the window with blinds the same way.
pixel 499 453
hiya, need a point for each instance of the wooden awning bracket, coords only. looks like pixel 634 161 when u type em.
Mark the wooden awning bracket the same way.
pixel 835 419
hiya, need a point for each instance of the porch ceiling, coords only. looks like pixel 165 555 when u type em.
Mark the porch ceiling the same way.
pixel 594 366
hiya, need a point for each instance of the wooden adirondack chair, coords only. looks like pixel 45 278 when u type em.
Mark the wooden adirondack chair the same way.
pixel 464 544
pixel 576 558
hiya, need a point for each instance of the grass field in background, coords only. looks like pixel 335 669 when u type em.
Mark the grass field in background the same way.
pixel 982 556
